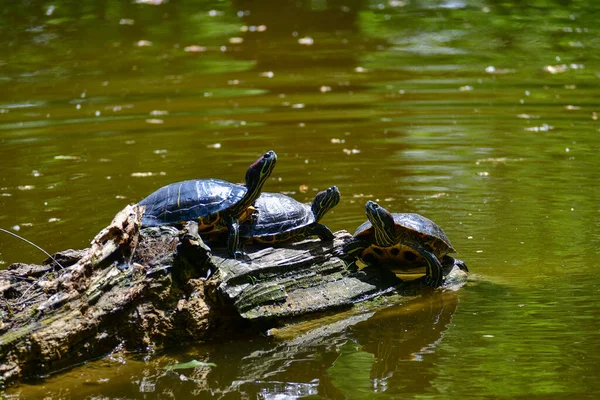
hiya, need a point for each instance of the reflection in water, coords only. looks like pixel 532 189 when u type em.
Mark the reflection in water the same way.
pixel 361 351
pixel 400 336
pixel 322 358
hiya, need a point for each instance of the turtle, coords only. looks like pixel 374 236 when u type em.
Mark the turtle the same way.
pixel 404 239
pixel 280 218
pixel 216 205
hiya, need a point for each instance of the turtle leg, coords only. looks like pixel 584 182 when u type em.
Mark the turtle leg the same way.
pixel 233 240
pixel 354 247
pixel 323 232
pixel 434 274
pixel 449 262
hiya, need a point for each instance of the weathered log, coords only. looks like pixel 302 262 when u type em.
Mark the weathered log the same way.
pixel 143 289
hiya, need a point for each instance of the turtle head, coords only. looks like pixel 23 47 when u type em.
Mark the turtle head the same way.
pixel 258 173
pixel 383 223
pixel 325 201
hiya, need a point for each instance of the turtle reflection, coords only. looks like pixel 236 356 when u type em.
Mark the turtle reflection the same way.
pixel 364 352
pixel 402 334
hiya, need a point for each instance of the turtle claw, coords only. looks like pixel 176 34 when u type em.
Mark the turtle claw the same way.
pixel 239 255
pixel 338 252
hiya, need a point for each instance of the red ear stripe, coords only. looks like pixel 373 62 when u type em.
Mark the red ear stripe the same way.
pixel 256 162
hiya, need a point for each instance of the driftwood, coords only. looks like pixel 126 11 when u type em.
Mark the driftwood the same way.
pixel 140 290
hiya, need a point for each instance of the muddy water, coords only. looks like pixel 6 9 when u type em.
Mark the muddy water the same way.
pixel 481 116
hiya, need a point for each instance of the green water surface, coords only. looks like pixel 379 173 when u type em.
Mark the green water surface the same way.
pixel 481 115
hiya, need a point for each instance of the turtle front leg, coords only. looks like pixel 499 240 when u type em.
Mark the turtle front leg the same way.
pixel 434 273
pixel 323 232
pixel 233 239
pixel 449 262
pixel 354 247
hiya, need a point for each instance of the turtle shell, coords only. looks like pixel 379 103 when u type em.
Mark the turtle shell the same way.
pixel 424 228
pixel 278 218
pixel 204 200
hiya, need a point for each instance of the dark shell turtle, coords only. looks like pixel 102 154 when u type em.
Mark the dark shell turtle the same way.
pixel 280 218
pixel 403 239
pixel 215 204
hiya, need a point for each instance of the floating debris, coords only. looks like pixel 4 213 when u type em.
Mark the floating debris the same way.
pixel 144 43
pixel 483 173
pixel 126 21
pixel 228 122
pixel 466 88
pixel 570 107
pixel 303 188
pixel 337 141
pixel 299 105
pixel 527 116
pixel 559 69
pixel 194 49
pixel 150 2
pixel 53 219
pixel 433 196
pixel 61 157
pixel 360 69
pixel 156 113
pixel 493 70
pixel 160 151
pixel 351 151
pixel 118 107
pixel 325 89
pixel 253 28
pixel 306 41
pixel 268 74
pixel 146 174
pixel 26 187
pixel 542 128
pixel 236 40
pixel 214 146
pixel 498 160
pixel 155 121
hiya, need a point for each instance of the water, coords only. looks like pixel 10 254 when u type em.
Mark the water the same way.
pixel 480 115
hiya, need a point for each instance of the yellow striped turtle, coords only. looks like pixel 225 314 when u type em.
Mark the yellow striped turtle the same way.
pixel 280 218
pixel 215 204
pixel 402 238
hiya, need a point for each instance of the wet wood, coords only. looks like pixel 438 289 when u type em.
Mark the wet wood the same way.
pixel 144 289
